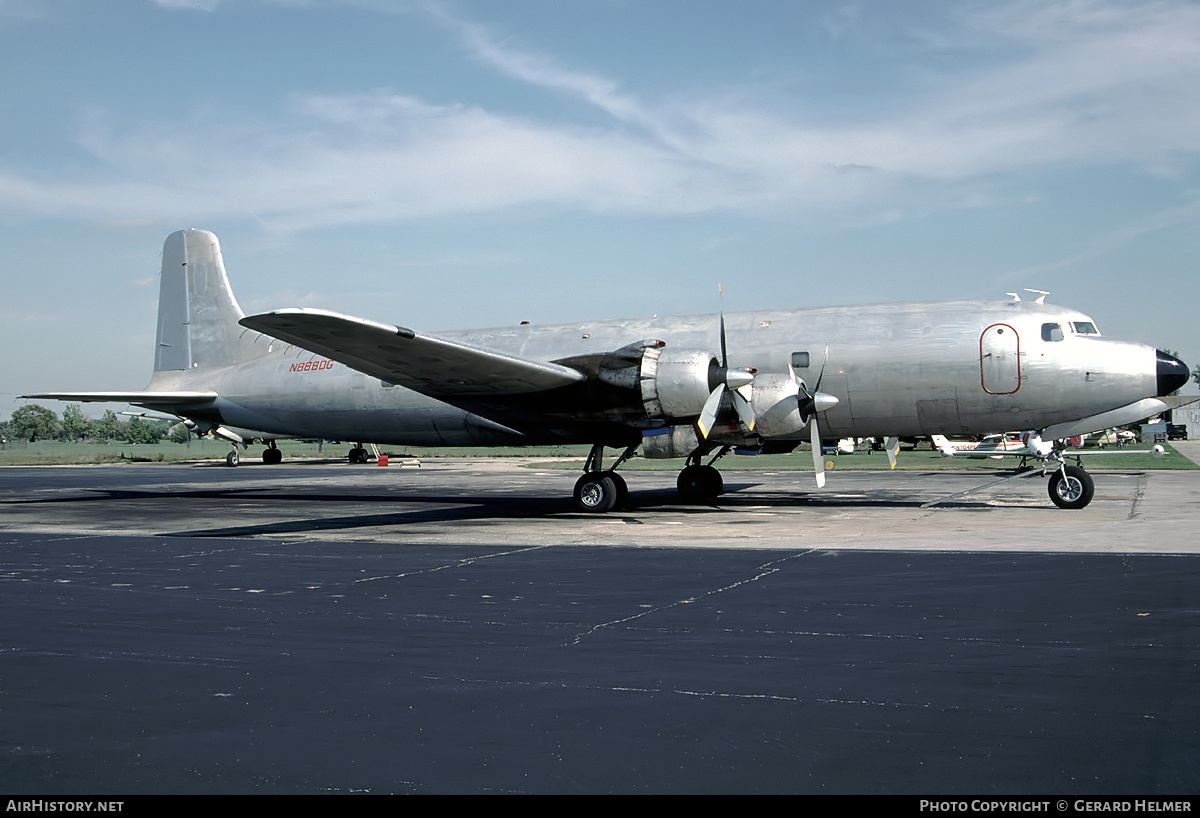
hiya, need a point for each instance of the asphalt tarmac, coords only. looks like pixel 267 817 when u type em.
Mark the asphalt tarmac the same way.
pixel 458 628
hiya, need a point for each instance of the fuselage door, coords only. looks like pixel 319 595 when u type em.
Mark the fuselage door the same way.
pixel 1000 360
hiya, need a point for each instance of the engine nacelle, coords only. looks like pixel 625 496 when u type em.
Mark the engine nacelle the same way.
pixel 775 400
pixel 676 383
pixel 673 441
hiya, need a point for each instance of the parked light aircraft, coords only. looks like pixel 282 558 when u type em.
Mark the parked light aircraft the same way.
pixel 691 387
pixel 988 446
pixel 1026 445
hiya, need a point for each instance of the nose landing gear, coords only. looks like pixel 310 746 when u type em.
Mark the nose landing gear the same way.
pixel 1071 487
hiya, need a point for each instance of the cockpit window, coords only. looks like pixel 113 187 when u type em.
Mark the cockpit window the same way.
pixel 1085 328
pixel 1052 332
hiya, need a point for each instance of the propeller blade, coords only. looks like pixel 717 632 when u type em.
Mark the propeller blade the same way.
pixel 818 457
pixel 744 409
pixel 821 374
pixel 892 446
pixel 724 353
pixel 813 403
pixel 708 415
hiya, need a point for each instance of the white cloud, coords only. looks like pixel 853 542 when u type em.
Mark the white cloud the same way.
pixel 193 5
pixel 1080 83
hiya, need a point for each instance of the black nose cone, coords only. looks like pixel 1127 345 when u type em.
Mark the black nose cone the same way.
pixel 1172 373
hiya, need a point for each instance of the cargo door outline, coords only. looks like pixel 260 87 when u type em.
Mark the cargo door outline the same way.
pixel 1000 360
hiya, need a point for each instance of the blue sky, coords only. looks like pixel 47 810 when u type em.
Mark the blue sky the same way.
pixel 471 163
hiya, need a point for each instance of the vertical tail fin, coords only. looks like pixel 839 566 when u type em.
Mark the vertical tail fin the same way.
pixel 197 313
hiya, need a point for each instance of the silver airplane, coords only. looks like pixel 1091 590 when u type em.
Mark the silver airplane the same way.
pixel 690 387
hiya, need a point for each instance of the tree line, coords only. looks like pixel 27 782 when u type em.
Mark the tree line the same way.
pixel 34 423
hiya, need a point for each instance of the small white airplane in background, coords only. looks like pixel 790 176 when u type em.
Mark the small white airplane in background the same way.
pixel 1024 445
pixel 689 387
pixel 988 446
pixel 1109 437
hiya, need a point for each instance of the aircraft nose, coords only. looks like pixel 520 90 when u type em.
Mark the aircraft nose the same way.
pixel 1172 373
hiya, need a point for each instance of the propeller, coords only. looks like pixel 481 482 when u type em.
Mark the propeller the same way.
pixel 727 379
pixel 812 403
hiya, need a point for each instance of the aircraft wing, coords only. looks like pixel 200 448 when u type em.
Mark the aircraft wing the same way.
pixel 433 366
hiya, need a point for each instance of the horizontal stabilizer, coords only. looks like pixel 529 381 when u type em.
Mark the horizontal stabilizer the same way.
pixel 157 399
pixel 433 366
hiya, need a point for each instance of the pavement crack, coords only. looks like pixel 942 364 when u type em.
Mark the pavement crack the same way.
pixel 1139 493
pixel 765 570
pixel 455 564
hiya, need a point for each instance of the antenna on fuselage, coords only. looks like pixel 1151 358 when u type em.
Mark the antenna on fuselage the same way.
pixel 1041 299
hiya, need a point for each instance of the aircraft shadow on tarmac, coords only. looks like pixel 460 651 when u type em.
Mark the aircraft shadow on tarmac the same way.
pixel 445 507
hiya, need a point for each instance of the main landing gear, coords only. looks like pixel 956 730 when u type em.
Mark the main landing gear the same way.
pixel 600 490
pixel 701 482
pixel 271 455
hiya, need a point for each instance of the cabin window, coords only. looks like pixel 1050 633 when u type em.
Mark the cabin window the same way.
pixel 1085 328
pixel 800 360
pixel 1052 332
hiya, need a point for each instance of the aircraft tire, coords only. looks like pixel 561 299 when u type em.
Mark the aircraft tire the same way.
pixel 700 484
pixel 272 456
pixel 231 459
pixel 1073 491
pixel 596 492
pixel 622 500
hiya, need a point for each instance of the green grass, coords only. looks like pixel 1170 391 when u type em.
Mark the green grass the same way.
pixel 20 453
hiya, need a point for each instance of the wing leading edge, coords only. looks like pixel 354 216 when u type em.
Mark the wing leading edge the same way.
pixel 423 363
pixel 148 399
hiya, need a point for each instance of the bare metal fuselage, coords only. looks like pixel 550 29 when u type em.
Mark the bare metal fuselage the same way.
pixel 896 369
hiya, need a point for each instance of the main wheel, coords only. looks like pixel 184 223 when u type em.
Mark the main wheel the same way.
pixel 272 456
pixel 1072 490
pixel 700 484
pixel 622 490
pixel 596 492
pixel 231 459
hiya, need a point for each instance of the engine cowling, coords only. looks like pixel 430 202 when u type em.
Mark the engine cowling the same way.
pixel 775 400
pixel 676 383
pixel 671 441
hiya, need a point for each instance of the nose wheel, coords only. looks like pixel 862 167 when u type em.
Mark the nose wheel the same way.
pixel 1071 487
